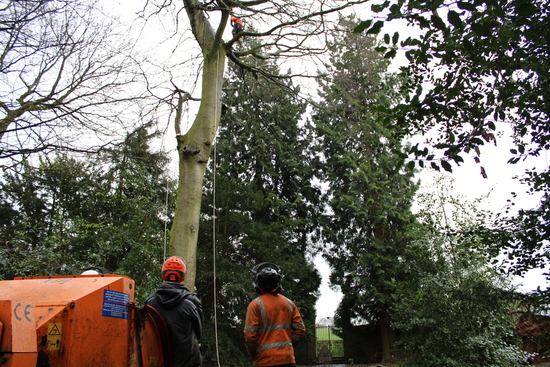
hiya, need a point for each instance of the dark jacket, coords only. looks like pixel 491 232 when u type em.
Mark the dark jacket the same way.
pixel 182 313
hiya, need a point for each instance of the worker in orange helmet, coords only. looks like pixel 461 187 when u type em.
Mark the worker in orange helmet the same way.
pixel 273 324
pixel 237 24
pixel 182 313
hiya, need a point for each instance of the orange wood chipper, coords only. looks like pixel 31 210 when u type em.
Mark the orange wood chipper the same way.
pixel 77 321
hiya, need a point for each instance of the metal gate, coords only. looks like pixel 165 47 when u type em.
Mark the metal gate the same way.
pixel 329 344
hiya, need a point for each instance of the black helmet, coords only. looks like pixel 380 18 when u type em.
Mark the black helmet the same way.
pixel 267 279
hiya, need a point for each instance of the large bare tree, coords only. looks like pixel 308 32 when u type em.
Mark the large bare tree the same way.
pixel 285 29
pixel 65 77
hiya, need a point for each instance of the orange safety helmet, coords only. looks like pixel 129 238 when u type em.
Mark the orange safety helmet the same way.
pixel 237 20
pixel 174 269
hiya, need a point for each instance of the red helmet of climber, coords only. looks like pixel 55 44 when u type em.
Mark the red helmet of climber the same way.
pixel 174 269
pixel 237 20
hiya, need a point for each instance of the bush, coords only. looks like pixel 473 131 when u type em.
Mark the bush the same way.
pixel 457 319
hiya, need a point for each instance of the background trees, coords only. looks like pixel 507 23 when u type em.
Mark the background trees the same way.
pixel 65 73
pixel 64 215
pixel 452 293
pixel 68 211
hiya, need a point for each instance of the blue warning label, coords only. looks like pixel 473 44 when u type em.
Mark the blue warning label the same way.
pixel 115 304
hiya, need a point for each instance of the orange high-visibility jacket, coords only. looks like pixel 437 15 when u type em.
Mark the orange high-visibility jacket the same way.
pixel 273 326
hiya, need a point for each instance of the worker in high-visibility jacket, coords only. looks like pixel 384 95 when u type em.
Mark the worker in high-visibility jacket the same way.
pixel 273 324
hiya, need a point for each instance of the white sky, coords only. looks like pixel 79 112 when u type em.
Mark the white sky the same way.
pixel 329 300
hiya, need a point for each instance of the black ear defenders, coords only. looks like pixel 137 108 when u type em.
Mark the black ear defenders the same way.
pixel 267 278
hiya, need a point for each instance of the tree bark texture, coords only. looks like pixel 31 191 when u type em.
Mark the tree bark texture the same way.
pixel 194 147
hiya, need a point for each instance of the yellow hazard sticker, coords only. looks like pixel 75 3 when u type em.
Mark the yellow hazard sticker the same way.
pixel 54 336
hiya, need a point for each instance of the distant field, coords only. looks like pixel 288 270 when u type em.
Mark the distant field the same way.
pixel 326 334
pixel 326 338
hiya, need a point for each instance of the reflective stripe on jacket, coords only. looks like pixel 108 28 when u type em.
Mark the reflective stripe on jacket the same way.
pixel 273 325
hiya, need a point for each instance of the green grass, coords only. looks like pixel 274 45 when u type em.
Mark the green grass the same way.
pixel 326 334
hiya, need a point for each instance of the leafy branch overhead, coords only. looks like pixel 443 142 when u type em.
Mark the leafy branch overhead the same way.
pixel 476 68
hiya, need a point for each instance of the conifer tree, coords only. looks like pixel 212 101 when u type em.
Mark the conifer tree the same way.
pixel 264 205
pixel 370 191
pixel 66 214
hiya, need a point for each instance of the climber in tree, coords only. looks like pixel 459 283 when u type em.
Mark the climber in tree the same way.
pixel 237 24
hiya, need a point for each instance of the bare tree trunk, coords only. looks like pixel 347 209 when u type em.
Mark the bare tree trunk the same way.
pixel 388 337
pixel 194 151
pixel 387 332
